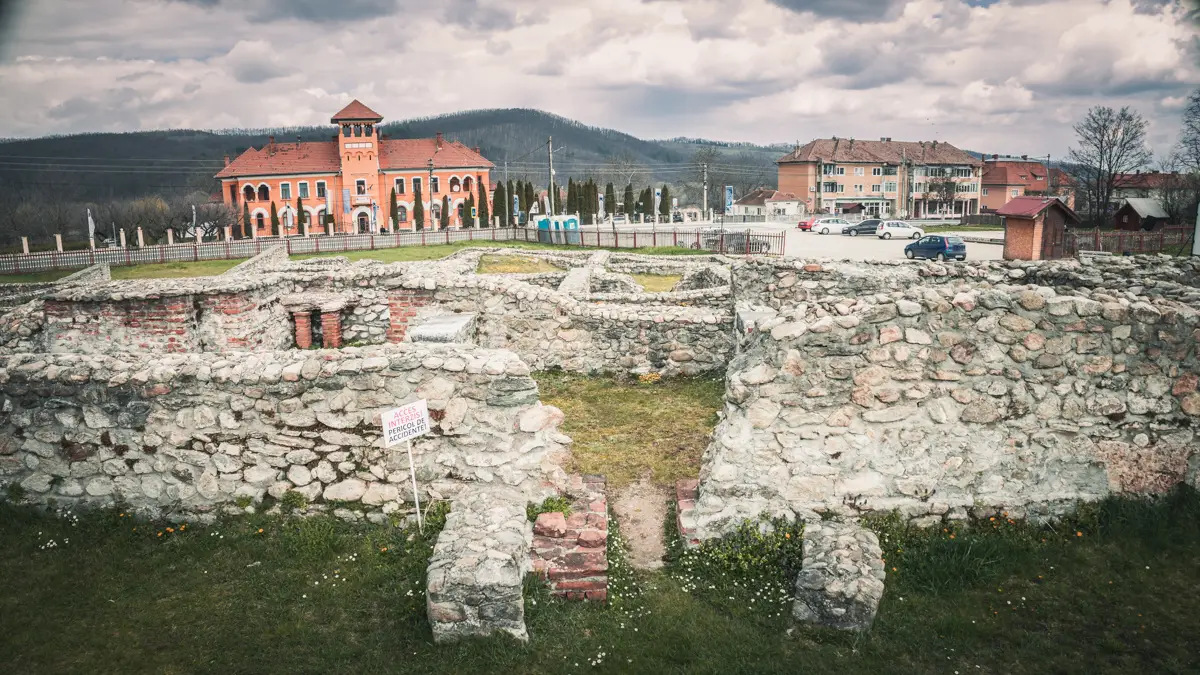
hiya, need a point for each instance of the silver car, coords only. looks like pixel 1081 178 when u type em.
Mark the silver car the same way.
pixel 830 225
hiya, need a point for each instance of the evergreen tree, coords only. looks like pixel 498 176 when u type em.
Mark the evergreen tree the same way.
pixel 394 214
pixel 528 199
pixel 508 207
pixel 247 224
pixel 468 204
pixel 485 215
pixel 610 200
pixel 594 205
pixel 274 221
pixel 418 214
pixel 572 196
pixel 445 211
pixel 299 215
pixel 502 204
pixel 664 203
pixel 628 206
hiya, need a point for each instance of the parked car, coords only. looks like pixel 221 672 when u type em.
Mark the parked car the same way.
pixel 898 229
pixel 619 219
pixel 730 241
pixel 676 217
pixel 827 225
pixel 807 223
pixel 937 246
pixel 865 227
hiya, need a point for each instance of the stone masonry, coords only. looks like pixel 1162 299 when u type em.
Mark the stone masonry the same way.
pixel 570 552
pixel 841 581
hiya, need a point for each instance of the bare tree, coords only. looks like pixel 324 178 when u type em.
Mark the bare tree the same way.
pixel 625 168
pixel 940 188
pixel 1189 142
pixel 1179 194
pixel 1110 143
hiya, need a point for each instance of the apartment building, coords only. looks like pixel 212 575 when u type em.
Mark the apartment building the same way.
pixel 344 185
pixel 1006 178
pixel 905 179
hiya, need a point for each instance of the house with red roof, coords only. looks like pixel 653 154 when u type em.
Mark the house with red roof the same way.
pixel 1005 179
pixel 1035 228
pixel 344 185
pixel 767 202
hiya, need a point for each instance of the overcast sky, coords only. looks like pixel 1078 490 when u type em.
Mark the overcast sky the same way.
pixel 994 76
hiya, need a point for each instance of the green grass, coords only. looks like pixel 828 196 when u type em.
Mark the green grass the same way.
pixel 35 277
pixel 203 268
pixel 624 429
pixel 514 264
pixel 228 598
pixel 982 229
pixel 657 283
pixel 439 251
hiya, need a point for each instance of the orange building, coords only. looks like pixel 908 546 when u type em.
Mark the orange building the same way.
pixel 345 185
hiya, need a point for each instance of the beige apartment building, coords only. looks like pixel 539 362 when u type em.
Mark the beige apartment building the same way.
pixel 898 179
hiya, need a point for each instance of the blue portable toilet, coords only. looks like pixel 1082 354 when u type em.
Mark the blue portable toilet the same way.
pixel 558 230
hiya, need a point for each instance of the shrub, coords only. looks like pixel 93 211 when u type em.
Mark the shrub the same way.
pixel 549 505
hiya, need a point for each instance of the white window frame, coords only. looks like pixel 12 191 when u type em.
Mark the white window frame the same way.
pixel 285 192
pixel 435 185
pixel 417 184
pixel 890 186
pixel 363 182
pixel 877 188
pixel 985 192
pixel 826 184
pixel 398 183
pixel 962 173
pixel 1016 192
pixel 858 187
pixel 322 190
pixel 839 171
pixel 841 188
pixel 859 171
pixel 302 189
pixel 877 171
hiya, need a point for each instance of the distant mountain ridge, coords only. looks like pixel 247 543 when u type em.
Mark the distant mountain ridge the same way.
pixel 97 166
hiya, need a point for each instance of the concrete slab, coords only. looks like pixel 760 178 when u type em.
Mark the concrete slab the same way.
pixel 445 328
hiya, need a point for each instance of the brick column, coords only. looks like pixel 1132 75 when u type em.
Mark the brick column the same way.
pixel 303 329
pixel 331 329
pixel 402 307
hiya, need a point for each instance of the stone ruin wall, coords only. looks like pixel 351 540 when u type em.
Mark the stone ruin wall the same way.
pixel 186 433
pixel 940 390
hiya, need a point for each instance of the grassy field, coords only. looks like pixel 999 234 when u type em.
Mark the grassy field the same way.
pixel 203 268
pixel 439 251
pixel 35 277
pixel 657 283
pixel 514 264
pixel 1112 591
pixel 624 429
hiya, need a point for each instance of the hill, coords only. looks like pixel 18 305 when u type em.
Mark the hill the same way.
pixel 104 166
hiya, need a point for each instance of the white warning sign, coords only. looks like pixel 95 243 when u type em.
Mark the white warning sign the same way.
pixel 407 421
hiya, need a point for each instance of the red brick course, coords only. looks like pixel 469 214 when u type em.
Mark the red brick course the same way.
pixel 403 305
pixel 687 491
pixel 303 329
pixel 571 552
pixel 331 329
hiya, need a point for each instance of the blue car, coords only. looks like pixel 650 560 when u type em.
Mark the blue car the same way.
pixel 937 246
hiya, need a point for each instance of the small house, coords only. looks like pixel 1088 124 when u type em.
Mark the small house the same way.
pixel 1035 228
pixel 1139 213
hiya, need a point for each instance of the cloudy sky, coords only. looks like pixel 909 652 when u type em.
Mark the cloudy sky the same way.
pixel 990 75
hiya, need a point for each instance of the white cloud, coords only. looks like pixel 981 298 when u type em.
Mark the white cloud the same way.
pixel 1005 76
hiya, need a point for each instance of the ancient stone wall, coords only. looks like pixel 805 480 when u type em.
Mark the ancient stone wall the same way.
pixel 189 432
pixel 964 389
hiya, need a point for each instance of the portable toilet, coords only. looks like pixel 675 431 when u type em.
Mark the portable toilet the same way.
pixel 558 230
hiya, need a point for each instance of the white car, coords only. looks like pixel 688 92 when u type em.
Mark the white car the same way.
pixel 898 229
pixel 830 225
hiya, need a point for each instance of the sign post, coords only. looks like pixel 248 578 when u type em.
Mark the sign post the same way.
pixel 404 424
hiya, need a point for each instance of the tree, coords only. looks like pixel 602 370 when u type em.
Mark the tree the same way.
pixel 468 204
pixel 445 211
pixel 572 205
pixel 502 204
pixel 627 204
pixel 528 198
pixel 247 224
pixel 1110 143
pixel 610 200
pixel 394 210
pixel 299 215
pixel 941 188
pixel 508 207
pixel 664 203
pixel 274 221
pixel 1189 141
pixel 418 213
pixel 1179 195
pixel 485 215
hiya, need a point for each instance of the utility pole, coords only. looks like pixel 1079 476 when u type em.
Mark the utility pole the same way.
pixel 429 189
pixel 705 166
pixel 550 190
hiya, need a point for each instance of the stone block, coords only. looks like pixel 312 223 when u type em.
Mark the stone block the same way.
pixel 444 329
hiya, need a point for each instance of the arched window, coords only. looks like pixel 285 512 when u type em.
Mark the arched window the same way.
pixel 367 129
pixel 264 193
pixel 402 214
pixel 346 130
pixel 259 223
pixel 455 185
pixel 467 185
pixel 436 212
pixel 248 193
pixel 462 210
pixel 358 130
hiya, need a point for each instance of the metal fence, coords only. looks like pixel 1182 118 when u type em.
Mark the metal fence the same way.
pixel 1123 241
pixel 718 241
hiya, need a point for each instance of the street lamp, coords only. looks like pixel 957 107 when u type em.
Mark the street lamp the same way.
pixel 429 189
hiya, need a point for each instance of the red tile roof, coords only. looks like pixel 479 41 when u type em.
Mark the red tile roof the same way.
pixel 1152 180
pixel 1030 175
pixel 1030 207
pixel 761 196
pixel 284 159
pixel 882 152
pixel 356 111
pixel 415 153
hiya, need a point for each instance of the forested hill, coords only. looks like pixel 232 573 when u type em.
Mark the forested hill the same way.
pixel 106 166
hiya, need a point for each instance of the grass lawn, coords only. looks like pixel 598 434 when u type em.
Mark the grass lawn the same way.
pixel 203 268
pixel 1112 591
pixel 626 428
pixel 35 277
pixel 981 229
pixel 657 283
pixel 439 251
pixel 514 264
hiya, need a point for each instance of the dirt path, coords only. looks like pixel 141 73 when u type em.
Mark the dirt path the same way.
pixel 641 509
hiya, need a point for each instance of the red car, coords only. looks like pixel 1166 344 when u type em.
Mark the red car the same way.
pixel 807 224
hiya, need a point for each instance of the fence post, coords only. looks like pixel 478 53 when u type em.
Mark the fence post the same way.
pixel 58 243
pixel 196 252
pixel 170 237
pixel 447 235
pixel 634 239
pixel 25 245
pixel 1097 247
